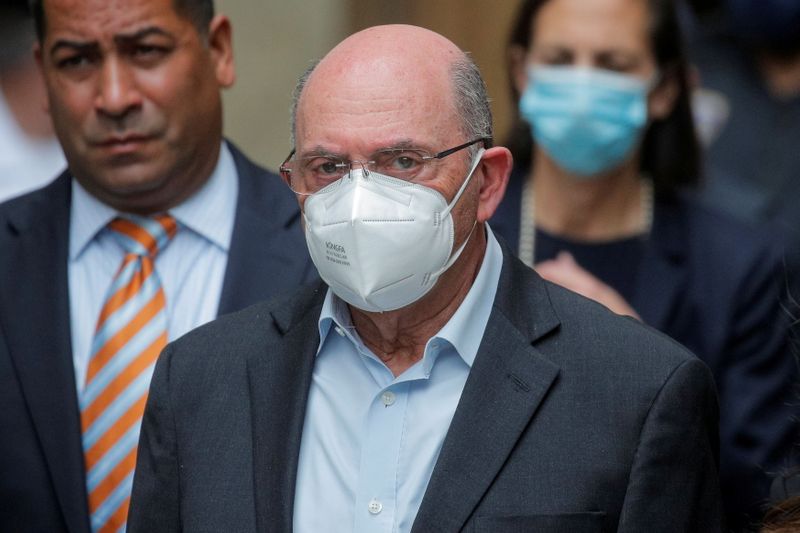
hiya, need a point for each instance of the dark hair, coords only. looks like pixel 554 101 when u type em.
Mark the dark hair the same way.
pixel 16 33
pixel 200 12
pixel 670 151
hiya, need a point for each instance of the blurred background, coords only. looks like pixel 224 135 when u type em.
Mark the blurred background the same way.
pixel 275 41
pixel 743 85
pixel 745 57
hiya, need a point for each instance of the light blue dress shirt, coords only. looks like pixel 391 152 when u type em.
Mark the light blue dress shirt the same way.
pixel 370 440
pixel 191 267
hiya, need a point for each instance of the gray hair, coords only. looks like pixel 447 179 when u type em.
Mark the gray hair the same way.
pixel 471 101
pixel 298 90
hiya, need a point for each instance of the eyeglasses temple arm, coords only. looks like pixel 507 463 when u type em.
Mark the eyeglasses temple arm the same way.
pixel 487 143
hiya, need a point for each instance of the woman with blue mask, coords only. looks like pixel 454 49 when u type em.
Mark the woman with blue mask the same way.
pixel 605 152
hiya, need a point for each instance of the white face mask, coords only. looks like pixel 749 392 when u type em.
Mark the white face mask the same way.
pixel 380 243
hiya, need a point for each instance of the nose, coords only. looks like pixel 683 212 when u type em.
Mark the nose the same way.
pixel 117 93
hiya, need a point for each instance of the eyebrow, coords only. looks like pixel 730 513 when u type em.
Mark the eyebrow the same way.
pixel 119 39
pixel 559 47
pixel 141 34
pixel 74 45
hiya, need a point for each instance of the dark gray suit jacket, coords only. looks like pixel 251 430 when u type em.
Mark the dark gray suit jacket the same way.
pixel 572 419
pixel 42 480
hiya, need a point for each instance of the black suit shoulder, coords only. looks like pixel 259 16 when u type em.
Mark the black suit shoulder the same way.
pixel 243 333
pixel 268 256
pixel 619 364
pixel 265 192
pixel 23 212
pixel 587 332
pixel 585 320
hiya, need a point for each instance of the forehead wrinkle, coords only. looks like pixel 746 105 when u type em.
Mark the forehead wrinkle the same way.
pixel 100 20
pixel 379 100
pixel 320 150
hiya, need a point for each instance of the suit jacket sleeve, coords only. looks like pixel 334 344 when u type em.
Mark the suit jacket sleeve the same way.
pixel 673 484
pixel 155 503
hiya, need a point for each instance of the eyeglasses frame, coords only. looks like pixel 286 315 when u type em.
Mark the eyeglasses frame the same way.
pixel 286 172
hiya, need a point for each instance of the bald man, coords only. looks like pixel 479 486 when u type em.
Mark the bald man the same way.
pixel 432 382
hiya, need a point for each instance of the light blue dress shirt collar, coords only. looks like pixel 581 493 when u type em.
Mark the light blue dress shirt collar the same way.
pixel 463 331
pixel 209 212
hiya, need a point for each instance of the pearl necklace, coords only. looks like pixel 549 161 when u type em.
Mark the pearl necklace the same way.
pixel 527 219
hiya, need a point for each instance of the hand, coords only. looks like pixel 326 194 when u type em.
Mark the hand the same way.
pixel 565 271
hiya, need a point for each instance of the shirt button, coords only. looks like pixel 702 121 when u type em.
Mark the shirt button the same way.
pixel 340 331
pixel 375 506
pixel 388 398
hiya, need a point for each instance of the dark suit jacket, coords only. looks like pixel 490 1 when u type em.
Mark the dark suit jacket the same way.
pixel 42 485
pixel 572 419
pixel 713 284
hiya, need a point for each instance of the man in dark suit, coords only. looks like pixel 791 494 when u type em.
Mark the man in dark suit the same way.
pixel 134 91
pixel 435 384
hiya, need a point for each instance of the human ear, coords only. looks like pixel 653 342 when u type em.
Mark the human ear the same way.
pixel 495 168
pixel 663 97
pixel 220 42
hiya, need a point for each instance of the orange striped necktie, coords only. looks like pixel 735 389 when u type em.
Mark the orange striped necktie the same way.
pixel 131 332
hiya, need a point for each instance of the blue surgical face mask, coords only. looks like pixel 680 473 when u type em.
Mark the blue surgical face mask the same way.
pixel 587 120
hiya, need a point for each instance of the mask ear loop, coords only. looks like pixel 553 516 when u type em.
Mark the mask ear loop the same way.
pixel 454 257
pixel 450 207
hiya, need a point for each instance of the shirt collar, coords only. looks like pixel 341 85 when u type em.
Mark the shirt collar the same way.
pixel 464 331
pixel 88 216
pixel 210 212
pixel 334 314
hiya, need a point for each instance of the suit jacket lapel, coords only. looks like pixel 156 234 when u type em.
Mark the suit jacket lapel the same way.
pixel 662 273
pixel 508 381
pixel 279 379
pixel 266 246
pixel 38 333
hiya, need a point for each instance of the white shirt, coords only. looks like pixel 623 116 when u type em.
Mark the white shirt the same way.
pixel 25 163
pixel 370 440
pixel 191 267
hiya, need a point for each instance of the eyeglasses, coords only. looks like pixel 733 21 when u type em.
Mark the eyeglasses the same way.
pixel 313 174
